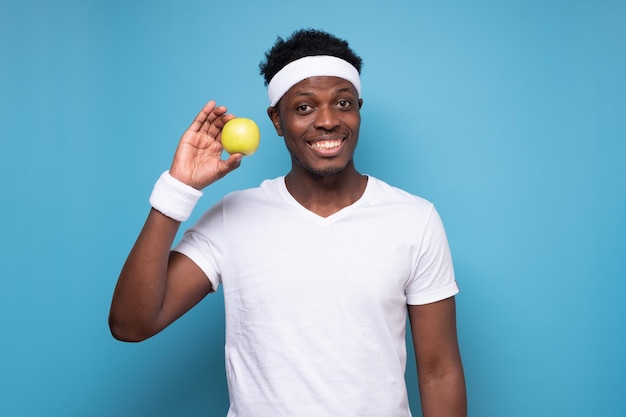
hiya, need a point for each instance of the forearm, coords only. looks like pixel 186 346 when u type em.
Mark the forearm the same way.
pixel 444 395
pixel 141 286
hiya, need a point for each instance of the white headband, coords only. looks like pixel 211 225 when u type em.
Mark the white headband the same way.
pixel 311 66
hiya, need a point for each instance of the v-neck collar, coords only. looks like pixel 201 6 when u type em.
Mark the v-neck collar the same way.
pixel 286 195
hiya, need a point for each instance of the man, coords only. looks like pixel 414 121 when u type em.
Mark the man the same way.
pixel 316 309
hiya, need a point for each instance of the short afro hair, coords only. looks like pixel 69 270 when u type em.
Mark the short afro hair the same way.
pixel 302 43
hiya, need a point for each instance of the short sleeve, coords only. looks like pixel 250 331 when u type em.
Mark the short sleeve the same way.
pixel 433 275
pixel 203 243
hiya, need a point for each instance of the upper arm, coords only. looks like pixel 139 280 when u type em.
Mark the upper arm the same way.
pixel 439 368
pixel 186 286
pixel 433 327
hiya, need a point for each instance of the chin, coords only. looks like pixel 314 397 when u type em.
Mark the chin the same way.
pixel 326 171
pixel 321 169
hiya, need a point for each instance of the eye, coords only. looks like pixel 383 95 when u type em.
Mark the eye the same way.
pixel 303 108
pixel 344 104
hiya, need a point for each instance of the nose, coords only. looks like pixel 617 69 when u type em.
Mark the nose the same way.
pixel 326 118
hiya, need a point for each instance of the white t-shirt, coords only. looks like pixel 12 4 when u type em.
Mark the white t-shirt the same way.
pixel 316 307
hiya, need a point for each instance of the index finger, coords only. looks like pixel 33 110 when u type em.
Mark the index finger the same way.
pixel 207 115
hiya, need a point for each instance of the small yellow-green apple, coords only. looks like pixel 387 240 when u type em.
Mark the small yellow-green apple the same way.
pixel 241 135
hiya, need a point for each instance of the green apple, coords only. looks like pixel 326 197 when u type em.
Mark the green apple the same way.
pixel 241 135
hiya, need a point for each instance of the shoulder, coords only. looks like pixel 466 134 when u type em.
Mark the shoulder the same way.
pixel 268 189
pixel 241 205
pixel 251 204
pixel 385 194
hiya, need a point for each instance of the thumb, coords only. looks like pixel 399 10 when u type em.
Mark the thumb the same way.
pixel 233 162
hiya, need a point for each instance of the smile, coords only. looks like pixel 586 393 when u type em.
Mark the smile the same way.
pixel 324 145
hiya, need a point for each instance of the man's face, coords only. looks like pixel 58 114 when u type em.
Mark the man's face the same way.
pixel 319 119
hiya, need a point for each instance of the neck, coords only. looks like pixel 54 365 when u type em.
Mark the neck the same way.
pixel 326 195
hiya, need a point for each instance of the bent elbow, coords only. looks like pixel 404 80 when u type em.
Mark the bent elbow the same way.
pixel 122 332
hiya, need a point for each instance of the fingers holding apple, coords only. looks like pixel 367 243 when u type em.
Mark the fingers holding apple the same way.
pixel 241 135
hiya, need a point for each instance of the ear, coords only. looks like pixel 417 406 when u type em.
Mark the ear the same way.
pixel 272 112
pixel 360 103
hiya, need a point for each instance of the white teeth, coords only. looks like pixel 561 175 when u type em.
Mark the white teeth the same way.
pixel 326 144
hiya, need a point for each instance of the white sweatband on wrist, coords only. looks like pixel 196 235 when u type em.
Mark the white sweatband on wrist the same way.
pixel 174 198
pixel 311 66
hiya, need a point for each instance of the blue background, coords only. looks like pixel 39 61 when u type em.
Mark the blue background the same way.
pixel 509 116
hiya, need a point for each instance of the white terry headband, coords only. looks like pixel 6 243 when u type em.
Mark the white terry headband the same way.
pixel 311 66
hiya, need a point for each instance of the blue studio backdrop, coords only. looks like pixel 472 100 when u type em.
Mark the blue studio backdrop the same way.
pixel 509 116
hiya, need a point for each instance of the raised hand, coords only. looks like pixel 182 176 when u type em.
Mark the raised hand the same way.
pixel 198 159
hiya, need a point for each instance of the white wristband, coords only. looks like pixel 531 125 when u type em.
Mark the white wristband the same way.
pixel 174 198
